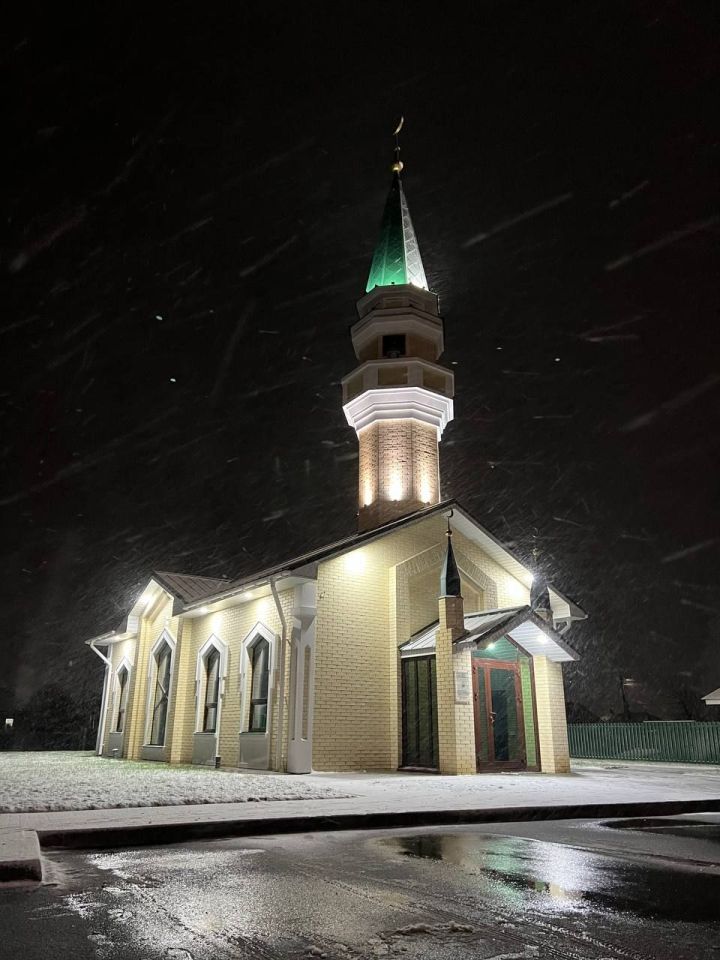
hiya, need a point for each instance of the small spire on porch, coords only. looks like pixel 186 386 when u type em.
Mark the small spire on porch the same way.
pixel 450 576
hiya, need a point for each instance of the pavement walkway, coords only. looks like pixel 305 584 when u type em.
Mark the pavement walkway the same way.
pixel 594 789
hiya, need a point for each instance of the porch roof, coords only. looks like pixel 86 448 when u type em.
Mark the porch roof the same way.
pixel 529 631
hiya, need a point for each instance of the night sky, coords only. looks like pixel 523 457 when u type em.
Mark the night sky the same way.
pixel 191 206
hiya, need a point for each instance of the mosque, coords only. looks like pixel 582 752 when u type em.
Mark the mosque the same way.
pixel 418 643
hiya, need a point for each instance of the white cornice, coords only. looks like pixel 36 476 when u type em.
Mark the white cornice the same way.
pixel 399 403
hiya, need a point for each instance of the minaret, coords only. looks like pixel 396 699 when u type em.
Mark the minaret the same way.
pixel 399 398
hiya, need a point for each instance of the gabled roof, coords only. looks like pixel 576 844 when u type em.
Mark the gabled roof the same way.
pixel 306 564
pixel 521 624
pixel 189 588
pixel 191 593
pixel 397 254
pixel 713 699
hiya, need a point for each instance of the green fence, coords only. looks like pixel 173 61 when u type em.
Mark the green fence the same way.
pixel 680 741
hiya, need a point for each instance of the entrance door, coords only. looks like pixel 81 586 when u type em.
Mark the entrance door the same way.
pixel 499 728
pixel 419 713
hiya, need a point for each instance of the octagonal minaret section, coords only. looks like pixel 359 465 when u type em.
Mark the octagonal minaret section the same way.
pixel 398 398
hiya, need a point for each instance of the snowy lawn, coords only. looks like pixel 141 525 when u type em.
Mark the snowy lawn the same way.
pixel 64 780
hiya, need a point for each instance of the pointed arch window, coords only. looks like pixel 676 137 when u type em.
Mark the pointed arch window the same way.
pixel 123 680
pixel 260 674
pixel 163 662
pixel 212 690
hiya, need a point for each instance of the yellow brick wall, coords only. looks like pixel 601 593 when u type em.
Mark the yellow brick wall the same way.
pixel 398 470
pixel 552 726
pixel 368 602
pixel 365 608
pixel 456 732
pixel 159 617
pixel 231 626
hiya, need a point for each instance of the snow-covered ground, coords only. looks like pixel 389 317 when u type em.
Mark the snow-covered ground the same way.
pixel 63 780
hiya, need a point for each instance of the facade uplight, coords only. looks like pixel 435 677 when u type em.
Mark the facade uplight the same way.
pixel 355 562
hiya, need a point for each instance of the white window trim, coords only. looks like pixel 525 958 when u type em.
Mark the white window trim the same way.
pixel 212 642
pixel 165 637
pixel 259 630
pixel 123 665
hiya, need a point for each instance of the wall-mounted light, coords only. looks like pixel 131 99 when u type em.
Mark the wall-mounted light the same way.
pixel 367 492
pixel 355 562
pixel 395 486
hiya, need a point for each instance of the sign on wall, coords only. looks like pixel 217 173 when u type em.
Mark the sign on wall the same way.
pixel 463 686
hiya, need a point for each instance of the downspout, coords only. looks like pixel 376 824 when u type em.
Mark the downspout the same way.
pixel 281 668
pixel 103 702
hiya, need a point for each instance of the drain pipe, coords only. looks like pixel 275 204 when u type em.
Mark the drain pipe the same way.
pixel 103 702
pixel 281 668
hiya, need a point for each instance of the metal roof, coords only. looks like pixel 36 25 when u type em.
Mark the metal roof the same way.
pixel 563 607
pixel 521 624
pixel 189 588
pixel 191 592
pixel 397 255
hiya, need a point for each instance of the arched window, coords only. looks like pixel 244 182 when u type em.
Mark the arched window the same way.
pixel 123 678
pixel 163 665
pixel 260 667
pixel 212 690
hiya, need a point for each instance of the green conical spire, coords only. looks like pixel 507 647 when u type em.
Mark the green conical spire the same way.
pixel 397 255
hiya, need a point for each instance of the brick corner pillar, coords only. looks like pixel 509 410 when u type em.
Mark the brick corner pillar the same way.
pixel 552 722
pixel 456 722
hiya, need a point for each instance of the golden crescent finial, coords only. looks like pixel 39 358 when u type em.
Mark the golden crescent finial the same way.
pixel 398 165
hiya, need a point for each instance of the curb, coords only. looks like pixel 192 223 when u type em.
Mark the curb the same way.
pixel 20 858
pixel 155 834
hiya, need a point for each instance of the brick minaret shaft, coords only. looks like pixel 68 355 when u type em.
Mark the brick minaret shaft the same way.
pixel 456 719
pixel 399 398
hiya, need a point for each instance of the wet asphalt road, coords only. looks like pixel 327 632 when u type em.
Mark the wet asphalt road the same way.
pixel 621 889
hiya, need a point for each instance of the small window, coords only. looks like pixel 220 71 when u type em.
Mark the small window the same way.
pixel 393 345
pixel 259 686
pixel 123 688
pixel 163 663
pixel 212 689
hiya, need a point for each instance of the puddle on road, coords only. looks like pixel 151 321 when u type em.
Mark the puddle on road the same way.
pixel 510 869
pixel 697 829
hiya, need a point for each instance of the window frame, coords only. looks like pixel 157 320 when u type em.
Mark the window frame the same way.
pixel 387 351
pixel 123 693
pixel 165 638
pixel 259 644
pixel 259 632
pixel 212 662
pixel 213 643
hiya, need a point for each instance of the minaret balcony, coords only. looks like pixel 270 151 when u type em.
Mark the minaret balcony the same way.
pixel 398 311
pixel 398 372
pixel 399 403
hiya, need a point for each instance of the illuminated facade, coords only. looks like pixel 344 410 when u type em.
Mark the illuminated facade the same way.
pixel 395 648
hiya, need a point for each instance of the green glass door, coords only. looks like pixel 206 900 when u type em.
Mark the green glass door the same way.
pixel 419 713
pixel 499 734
